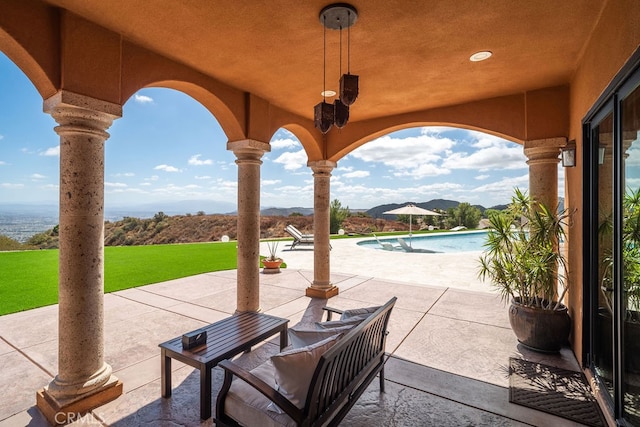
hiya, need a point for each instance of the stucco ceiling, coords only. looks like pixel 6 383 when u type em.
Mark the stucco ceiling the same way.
pixel 410 56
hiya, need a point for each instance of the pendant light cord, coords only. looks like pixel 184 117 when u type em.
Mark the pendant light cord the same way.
pixel 324 61
pixel 348 44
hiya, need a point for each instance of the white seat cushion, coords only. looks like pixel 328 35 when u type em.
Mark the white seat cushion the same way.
pixel 249 407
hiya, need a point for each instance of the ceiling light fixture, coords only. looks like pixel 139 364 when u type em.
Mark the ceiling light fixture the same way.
pixel 480 56
pixel 337 17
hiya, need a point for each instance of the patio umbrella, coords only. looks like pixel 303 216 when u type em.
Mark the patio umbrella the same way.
pixel 410 210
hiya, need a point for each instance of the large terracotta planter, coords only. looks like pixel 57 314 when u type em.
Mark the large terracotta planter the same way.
pixel 540 330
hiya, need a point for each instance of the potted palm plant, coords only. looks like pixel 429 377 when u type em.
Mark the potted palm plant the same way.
pixel 525 263
pixel 272 262
pixel 630 281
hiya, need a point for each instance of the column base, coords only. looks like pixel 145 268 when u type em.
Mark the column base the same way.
pixel 324 293
pixel 64 412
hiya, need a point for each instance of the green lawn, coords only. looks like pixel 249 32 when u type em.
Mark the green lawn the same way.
pixel 30 278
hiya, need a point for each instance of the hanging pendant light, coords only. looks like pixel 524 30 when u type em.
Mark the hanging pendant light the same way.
pixel 348 82
pixel 323 112
pixel 340 113
pixel 336 17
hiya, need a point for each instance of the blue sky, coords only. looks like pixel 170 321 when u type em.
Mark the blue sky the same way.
pixel 168 148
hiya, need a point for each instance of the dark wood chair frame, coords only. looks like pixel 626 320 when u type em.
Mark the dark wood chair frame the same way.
pixel 341 376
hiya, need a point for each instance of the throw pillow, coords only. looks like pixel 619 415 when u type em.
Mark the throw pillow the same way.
pixel 304 337
pixel 366 311
pixel 294 369
pixel 331 324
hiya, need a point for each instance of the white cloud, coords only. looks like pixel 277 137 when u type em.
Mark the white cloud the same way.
pixel 503 189
pixel 143 99
pixel 152 178
pixel 2 163
pixel 52 151
pixel 281 143
pixel 270 181
pixel 356 174
pixel 195 161
pixel 115 185
pixel 37 177
pixel 11 186
pixel 482 177
pixel 416 156
pixel 292 160
pixel 167 168
pixel 202 177
pixel 124 174
pixel 492 153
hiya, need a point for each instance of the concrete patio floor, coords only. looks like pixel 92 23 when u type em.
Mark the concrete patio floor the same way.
pixel 449 344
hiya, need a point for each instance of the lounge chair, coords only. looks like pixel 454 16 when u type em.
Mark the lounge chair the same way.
pixel 298 237
pixel 408 248
pixel 385 245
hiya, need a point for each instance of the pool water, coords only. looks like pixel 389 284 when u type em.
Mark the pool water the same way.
pixel 458 241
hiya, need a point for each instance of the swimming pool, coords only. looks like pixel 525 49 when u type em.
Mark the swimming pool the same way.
pixel 458 241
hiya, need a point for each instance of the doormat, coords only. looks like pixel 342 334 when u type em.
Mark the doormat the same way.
pixel 553 390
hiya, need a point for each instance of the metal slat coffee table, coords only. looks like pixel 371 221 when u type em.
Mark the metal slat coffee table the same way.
pixel 225 339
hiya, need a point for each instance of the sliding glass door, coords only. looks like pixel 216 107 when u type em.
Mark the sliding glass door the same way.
pixel 612 184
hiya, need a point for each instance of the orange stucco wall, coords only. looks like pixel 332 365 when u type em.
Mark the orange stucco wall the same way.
pixel 615 38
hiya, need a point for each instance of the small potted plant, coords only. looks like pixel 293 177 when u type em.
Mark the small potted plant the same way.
pixel 525 263
pixel 272 262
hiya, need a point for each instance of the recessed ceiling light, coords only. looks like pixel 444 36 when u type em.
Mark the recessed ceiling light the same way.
pixel 480 56
pixel 328 93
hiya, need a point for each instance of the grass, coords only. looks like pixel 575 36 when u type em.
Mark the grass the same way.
pixel 30 278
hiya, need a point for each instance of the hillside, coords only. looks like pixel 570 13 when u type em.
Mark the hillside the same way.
pixel 209 228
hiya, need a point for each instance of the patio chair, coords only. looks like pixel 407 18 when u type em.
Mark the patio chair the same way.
pixel 298 237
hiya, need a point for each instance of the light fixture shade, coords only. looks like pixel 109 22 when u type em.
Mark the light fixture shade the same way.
pixel 341 114
pixel 323 115
pixel 348 88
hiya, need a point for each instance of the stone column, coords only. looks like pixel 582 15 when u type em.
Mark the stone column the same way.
pixel 248 153
pixel 543 155
pixel 84 381
pixel 321 287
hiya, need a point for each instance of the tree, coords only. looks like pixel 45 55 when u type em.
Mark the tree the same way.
pixel 337 214
pixel 464 214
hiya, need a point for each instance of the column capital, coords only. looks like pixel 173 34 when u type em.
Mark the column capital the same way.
pixel 322 166
pixel 248 149
pixel 65 98
pixel 544 150
pixel 80 113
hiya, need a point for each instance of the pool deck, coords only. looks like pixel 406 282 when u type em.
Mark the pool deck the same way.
pixel 449 342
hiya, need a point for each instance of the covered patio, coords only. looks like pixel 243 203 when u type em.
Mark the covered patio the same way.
pixel 548 68
pixel 449 347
